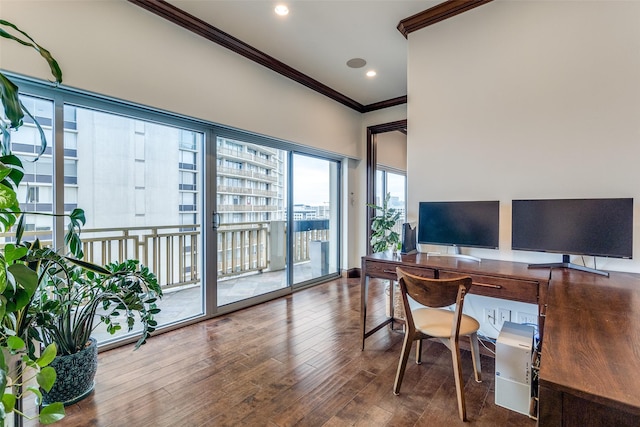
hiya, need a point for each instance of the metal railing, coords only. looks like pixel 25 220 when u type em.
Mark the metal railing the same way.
pixel 255 175
pixel 226 152
pixel 172 251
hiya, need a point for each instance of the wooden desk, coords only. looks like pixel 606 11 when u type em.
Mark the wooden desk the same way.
pixel 590 360
pixel 492 278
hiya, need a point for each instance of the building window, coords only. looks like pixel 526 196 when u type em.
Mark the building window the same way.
pixel 33 194
pixel 187 181
pixel 188 140
pixel 233 146
pixel 233 165
pixel 70 121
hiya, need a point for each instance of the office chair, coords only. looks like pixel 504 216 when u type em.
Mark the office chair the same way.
pixel 433 321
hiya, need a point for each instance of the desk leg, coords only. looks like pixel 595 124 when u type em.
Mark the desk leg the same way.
pixel 364 298
pixel 391 303
pixel 543 290
pixel 364 294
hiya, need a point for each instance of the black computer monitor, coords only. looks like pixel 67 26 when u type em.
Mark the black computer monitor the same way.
pixel 472 224
pixel 594 227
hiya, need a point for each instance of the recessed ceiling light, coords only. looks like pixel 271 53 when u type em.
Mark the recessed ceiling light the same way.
pixel 356 63
pixel 371 73
pixel 282 10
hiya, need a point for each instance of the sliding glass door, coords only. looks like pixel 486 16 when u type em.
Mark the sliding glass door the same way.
pixel 139 183
pixel 315 218
pixel 138 178
pixel 251 216
pixel 262 250
pixel 224 218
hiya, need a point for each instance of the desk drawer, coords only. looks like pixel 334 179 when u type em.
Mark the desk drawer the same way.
pixel 499 287
pixel 387 270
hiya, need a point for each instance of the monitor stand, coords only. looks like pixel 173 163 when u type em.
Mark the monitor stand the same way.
pixel 567 264
pixel 456 254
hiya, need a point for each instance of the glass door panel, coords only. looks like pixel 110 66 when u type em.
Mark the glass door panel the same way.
pixel 251 236
pixel 380 190
pixel 35 193
pixel 396 186
pixel 315 218
pixel 139 183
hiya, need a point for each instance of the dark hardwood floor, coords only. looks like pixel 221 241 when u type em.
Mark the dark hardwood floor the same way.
pixel 292 361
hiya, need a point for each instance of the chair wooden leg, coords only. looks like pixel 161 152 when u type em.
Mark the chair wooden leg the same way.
pixel 419 352
pixel 402 364
pixel 457 373
pixel 475 357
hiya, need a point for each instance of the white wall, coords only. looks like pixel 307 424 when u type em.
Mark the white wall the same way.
pixel 391 150
pixel 527 99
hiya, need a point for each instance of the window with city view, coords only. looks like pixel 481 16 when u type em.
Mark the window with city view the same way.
pixel 139 175
pixel 394 183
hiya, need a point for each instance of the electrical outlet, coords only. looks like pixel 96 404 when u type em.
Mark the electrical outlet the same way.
pixel 504 315
pixel 527 318
pixel 490 315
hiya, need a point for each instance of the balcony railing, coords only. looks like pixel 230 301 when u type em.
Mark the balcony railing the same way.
pixel 172 251
pixel 226 189
pixel 255 175
pixel 248 208
pixel 235 154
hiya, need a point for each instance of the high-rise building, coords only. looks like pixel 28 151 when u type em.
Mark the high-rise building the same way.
pixel 250 182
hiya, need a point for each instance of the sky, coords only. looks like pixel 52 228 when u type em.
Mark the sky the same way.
pixel 310 180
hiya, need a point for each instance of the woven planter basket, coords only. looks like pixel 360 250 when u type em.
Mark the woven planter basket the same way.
pixel 74 376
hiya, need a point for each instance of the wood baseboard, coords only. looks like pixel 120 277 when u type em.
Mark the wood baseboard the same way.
pixel 353 273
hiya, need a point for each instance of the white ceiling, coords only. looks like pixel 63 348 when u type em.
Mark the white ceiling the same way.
pixel 318 37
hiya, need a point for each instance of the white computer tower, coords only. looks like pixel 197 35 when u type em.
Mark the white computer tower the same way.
pixel 514 347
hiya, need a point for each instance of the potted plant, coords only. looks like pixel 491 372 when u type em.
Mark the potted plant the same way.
pixel 73 298
pixel 383 236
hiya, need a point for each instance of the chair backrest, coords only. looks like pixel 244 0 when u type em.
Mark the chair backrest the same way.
pixel 434 292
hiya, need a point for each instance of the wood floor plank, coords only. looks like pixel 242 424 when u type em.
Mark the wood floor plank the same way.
pixel 295 361
pixel 338 400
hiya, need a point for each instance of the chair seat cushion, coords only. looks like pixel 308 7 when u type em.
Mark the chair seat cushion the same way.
pixel 437 323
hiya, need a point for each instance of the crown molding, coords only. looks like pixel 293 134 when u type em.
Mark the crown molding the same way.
pixel 209 32
pixel 436 14
pixel 385 104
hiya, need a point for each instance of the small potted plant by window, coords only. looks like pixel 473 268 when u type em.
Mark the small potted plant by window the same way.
pixel 383 236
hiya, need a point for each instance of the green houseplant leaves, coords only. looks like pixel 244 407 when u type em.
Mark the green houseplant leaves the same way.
pixel 383 236
pixel 18 281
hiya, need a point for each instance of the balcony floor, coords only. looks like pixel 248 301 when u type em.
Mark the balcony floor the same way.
pixel 182 303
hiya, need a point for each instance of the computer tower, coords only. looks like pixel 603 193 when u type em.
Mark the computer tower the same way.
pixel 408 239
pixel 514 347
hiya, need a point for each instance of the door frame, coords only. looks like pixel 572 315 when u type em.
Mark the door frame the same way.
pixel 372 131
